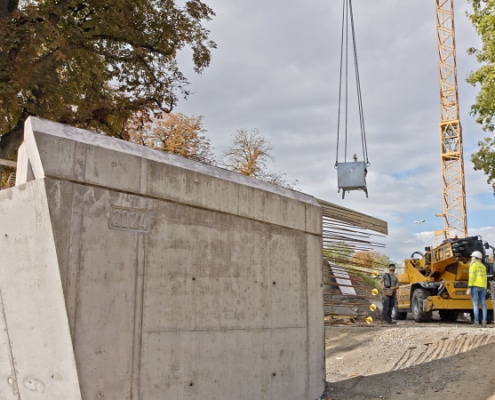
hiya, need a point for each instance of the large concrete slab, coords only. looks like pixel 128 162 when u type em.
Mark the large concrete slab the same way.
pixel 163 278
pixel 36 355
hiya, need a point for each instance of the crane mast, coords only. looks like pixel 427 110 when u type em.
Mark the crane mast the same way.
pixel 453 183
pixel 438 279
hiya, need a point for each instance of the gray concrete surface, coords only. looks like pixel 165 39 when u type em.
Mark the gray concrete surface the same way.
pixel 129 273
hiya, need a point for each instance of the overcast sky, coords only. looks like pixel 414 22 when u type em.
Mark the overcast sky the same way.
pixel 276 69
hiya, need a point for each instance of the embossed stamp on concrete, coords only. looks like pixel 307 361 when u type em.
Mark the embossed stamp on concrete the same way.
pixel 130 219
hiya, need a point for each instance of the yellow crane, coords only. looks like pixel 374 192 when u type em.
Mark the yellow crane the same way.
pixel 438 279
pixel 453 182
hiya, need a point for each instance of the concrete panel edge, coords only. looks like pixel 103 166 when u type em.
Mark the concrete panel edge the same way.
pixel 37 125
pixel 33 300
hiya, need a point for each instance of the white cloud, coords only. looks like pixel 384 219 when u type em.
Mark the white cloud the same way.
pixel 276 69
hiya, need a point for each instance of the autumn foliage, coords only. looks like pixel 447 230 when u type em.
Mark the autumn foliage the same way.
pixel 177 134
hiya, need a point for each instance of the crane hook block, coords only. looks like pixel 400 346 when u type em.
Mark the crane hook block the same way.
pixel 352 176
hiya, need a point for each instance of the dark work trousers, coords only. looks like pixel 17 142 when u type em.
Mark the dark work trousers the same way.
pixel 388 303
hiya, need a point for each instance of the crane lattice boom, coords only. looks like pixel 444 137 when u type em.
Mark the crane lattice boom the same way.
pixel 454 194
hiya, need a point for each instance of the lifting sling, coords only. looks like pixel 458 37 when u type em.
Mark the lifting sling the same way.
pixel 351 174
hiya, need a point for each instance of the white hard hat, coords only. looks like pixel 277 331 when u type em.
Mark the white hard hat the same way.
pixel 477 254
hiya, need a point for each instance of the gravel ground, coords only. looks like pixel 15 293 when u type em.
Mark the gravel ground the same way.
pixel 410 361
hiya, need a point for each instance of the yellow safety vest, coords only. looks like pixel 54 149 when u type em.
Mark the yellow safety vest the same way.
pixel 477 274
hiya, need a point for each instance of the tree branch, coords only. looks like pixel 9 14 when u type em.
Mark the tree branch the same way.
pixel 11 141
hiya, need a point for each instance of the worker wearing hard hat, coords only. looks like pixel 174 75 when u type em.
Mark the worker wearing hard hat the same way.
pixel 477 287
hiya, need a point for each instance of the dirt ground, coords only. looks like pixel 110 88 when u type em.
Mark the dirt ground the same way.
pixel 410 361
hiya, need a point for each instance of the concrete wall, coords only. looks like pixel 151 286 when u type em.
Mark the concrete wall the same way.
pixel 155 276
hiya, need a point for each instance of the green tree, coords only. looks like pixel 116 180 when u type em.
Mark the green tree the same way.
pixel 95 64
pixel 483 19
pixel 249 155
pixel 178 134
pixel 484 159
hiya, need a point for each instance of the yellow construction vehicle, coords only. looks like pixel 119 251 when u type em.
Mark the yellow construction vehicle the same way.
pixel 437 280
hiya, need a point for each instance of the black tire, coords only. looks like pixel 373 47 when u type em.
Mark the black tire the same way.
pixel 448 315
pixel 398 315
pixel 418 298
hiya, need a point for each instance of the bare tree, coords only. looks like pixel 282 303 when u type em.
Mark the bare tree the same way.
pixel 249 155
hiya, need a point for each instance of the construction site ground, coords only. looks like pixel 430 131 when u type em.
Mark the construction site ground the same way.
pixel 408 360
